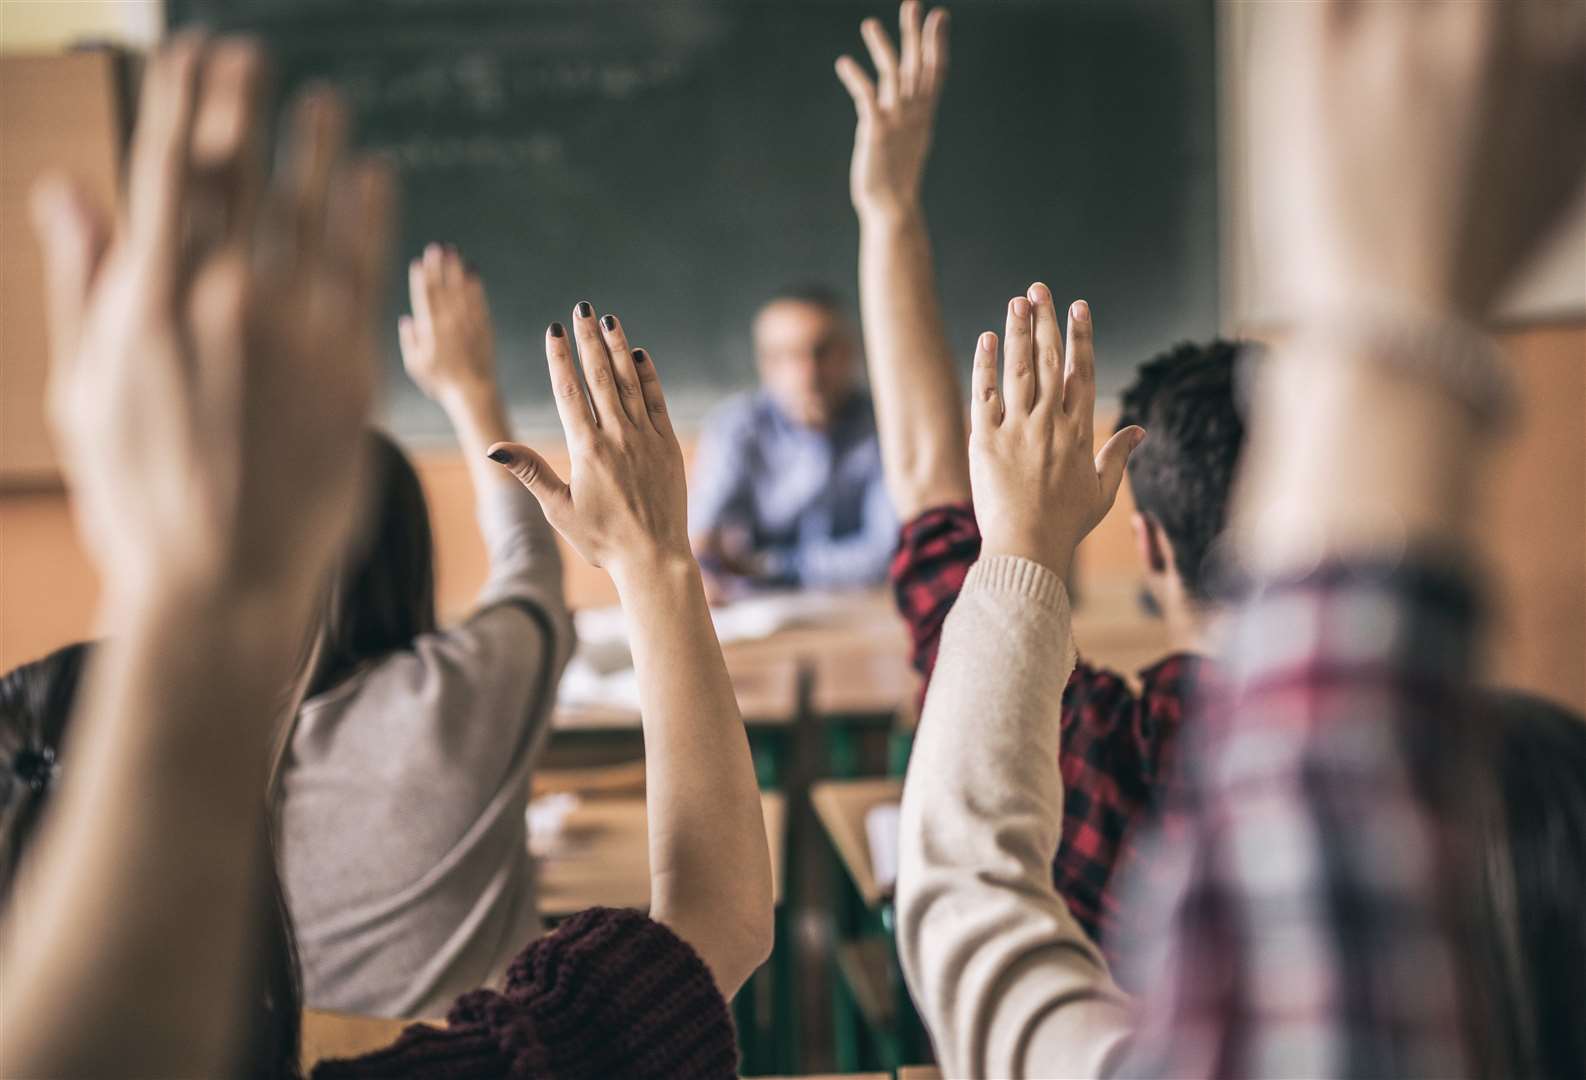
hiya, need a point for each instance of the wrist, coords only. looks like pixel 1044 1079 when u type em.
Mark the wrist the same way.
pixel 1058 558
pixel 468 395
pixel 654 570
pixel 891 215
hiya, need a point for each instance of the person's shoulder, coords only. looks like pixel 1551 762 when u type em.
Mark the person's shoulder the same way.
pixel 738 412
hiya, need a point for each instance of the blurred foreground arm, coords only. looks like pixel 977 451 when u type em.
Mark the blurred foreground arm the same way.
pixel 919 407
pixel 1431 145
pixel 624 508
pixel 208 392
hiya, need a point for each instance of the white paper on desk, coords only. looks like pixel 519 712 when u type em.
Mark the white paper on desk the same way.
pixel 881 830
pixel 546 816
pixel 586 684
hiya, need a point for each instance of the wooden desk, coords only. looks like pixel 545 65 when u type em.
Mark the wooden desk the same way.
pixel 919 1072
pixel 603 857
pixel 766 687
pixel 342 1035
pixel 841 806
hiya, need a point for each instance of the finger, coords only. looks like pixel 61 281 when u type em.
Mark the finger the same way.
pixel 536 474
pixel 363 208
pixel 227 143
pixel 884 58
pixel 434 278
pixel 908 48
pixel 157 181
pixel 623 369
pixel 1079 367
pixel 73 237
pixel 452 267
pixel 858 85
pixel 650 387
pixel 985 411
pixel 578 424
pixel 1048 346
pixel 596 362
pixel 319 135
pixel 407 338
pixel 933 53
pixel 1019 386
pixel 419 294
pixel 1113 458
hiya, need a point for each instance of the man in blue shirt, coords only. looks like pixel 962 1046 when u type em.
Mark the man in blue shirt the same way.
pixel 787 489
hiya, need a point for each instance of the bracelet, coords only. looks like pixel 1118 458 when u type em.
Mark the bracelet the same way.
pixel 1446 351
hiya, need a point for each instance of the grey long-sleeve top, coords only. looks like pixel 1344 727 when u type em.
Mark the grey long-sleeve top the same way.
pixel 404 842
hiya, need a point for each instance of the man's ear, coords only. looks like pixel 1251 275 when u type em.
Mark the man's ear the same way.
pixel 1150 544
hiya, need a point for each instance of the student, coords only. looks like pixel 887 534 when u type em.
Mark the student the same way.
pixel 400 713
pixel 1314 933
pixel 1118 742
pixel 787 489
pixel 210 396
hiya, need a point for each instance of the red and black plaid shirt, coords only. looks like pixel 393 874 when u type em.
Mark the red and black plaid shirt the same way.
pixel 1117 745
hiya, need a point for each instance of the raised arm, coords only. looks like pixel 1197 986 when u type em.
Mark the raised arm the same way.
pixel 209 394
pixel 1006 980
pixel 448 349
pixel 624 507
pixel 919 407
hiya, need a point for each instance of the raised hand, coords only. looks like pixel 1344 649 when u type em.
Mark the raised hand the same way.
pixel 1430 145
pixel 624 506
pixel 448 344
pixel 212 372
pixel 1038 490
pixel 897 111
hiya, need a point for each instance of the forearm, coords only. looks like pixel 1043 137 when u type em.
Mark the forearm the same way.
pixel 919 408
pixel 1005 978
pixel 710 868
pixel 144 933
pixel 479 418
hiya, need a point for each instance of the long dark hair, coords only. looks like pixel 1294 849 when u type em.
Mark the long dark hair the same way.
pixel 382 595
pixel 1530 946
pixel 35 712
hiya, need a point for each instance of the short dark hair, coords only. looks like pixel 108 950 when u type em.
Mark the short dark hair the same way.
pixel 1181 476
pixel 815 293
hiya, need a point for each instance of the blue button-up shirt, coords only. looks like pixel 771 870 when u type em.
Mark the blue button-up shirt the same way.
pixel 812 503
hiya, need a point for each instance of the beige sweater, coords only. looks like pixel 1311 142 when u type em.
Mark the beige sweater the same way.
pixel 1007 982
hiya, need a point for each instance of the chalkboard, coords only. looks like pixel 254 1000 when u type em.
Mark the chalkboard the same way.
pixel 676 161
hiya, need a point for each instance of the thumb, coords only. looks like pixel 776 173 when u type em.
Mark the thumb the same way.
pixel 534 473
pixel 1112 459
pixel 73 239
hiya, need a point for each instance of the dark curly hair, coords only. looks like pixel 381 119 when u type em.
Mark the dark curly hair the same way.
pixel 1181 476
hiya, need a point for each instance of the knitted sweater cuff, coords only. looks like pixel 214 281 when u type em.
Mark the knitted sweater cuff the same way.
pixel 1027 579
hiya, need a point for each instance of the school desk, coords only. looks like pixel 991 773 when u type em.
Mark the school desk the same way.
pixel 342 1035
pixel 602 856
pixel 919 1072
pixel 842 806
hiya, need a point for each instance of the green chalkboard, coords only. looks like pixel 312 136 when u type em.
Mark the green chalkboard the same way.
pixel 676 161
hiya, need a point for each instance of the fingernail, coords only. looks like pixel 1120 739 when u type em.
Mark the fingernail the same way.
pixel 988 341
pixel 640 356
pixel 1139 437
pixel 584 310
pixel 609 322
pixel 1021 306
pixel 1039 293
pixel 1080 311
pixel 556 329
pixel 499 455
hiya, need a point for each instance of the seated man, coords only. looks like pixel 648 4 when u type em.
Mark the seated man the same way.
pixel 1116 741
pixel 787 489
